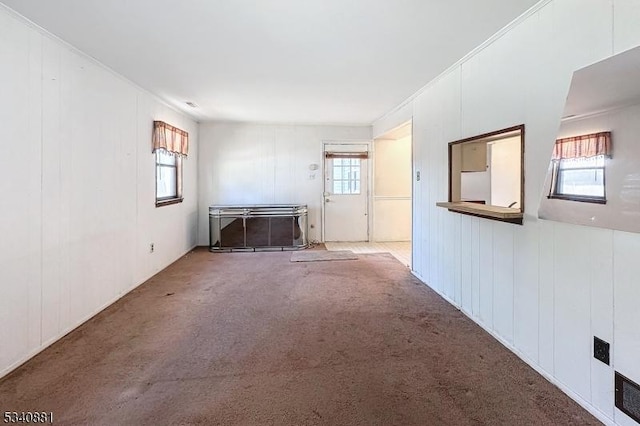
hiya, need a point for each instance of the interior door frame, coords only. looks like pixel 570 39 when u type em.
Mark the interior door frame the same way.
pixel 369 143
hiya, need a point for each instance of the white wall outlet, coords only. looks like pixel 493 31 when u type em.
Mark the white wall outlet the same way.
pixel 152 247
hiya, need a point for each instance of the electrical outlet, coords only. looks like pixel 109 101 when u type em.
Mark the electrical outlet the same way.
pixel 417 176
pixel 151 247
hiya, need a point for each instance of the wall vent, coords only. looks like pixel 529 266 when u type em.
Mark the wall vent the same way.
pixel 628 397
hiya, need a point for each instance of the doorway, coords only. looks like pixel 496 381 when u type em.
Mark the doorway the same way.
pixel 346 192
pixel 392 192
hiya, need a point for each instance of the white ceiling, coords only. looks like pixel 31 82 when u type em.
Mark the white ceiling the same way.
pixel 295 61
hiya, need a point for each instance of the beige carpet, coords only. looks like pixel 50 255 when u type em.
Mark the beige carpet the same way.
pixel 322 255
pixel 254 339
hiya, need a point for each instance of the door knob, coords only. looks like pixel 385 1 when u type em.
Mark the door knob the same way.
pixel 326 200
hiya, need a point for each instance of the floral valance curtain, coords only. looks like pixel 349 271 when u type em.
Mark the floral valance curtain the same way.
pixel 583 146
pixel 169 138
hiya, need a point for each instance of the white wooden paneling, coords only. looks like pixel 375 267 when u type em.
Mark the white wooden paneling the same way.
pixel 466 265
pixel 423 263
pixel 81 179
pixel 436 245
pixel 486 273
pixel 457 258
pixel 546 305
pixel 626 339
pixel 419 154
pixel 601 265
pixel 572 316
pixel 54 115
pixel 285 164
pixel 36 217
pixel 475 267
pixel 126 172
pixel 418 189
pixel 526 291
pixel 503 280
pixel 449 256
pixel 20 208
pixel 479 84
pixel 626 270
pixel 60 310
pixel 441 125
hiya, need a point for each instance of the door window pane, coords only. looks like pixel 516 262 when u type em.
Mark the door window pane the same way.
pixel 346 176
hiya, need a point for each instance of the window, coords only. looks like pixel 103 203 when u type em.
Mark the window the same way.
pixel 579 178
pixel 168 177
pixel 579 168
pixel 346 176
pixel 170 146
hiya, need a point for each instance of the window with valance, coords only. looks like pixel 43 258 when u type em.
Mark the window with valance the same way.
pixel 170 146
pixel 579 167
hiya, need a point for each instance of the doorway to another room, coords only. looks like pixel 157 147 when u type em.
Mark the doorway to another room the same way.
pixel 390 199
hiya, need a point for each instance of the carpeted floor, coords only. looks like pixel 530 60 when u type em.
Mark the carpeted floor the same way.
pixel 254 339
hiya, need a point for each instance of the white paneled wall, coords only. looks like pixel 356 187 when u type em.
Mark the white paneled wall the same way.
pixel 265 164
pixel 543 289
pixel 78 211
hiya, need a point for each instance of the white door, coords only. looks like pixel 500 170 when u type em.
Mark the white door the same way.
pixel 346 193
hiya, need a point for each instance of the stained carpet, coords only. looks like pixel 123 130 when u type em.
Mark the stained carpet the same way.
pixel 254 339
